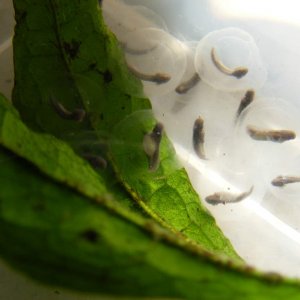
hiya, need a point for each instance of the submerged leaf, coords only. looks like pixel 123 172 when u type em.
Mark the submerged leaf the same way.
pixel 85 69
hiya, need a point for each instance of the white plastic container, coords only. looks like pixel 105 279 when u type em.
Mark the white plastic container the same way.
pixel 264 228
pixel 219 37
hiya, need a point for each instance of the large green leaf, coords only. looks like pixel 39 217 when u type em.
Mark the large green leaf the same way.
pixel 64 51
pixel 57 236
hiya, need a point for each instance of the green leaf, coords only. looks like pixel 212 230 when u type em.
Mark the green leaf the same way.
pixel 63 50
pixel 57 236
pixel 85 69
pixel 167 193
pixel 50 155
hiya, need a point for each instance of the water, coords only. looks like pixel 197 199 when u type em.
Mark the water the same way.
pixel 179 38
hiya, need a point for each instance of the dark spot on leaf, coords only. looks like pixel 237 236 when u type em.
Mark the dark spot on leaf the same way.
pixel 90 235
pixel 106 277
pixel 249 269
pixel 101 117
pixel 274 278
pixel 72 48
pixel 93 66
pixel 123 107
pixel 39 207
pixel 230 263
pixel 21 16
pixel 96 161
pixel 107 76
pixel 127 96
pixel 57 292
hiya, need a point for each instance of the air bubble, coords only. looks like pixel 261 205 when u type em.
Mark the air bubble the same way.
pixel 233 48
